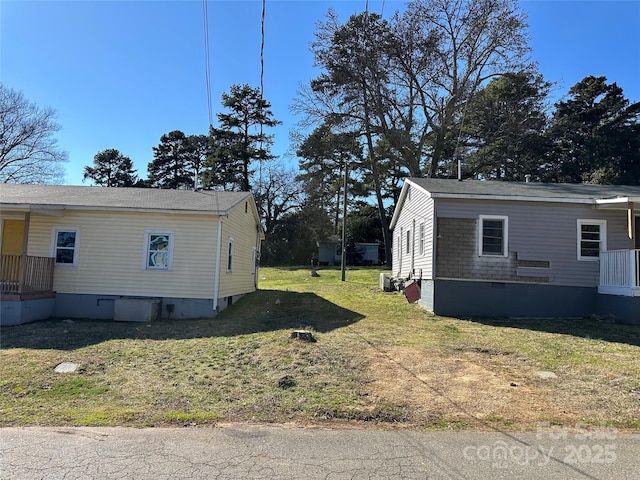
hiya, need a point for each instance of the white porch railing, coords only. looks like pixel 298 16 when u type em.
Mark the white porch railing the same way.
pixel 620 272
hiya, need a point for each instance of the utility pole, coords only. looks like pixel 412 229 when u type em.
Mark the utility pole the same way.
pixel 344 220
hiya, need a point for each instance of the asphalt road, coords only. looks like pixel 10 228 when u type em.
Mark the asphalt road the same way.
pixel 246 452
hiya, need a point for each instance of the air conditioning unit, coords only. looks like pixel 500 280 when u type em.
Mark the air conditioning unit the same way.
pixel 385 282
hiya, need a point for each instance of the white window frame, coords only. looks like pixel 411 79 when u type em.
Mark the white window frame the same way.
pixel 230 254
pixel 53 251
pixel 145 254
pixel 505 235
pixel 422 238
pixel 408 246
pixel 603 238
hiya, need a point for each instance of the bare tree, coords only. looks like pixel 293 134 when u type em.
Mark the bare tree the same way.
pixel 408 79
pixel 278 194
pixel 402 84
pixel 475 40
pixel 28 149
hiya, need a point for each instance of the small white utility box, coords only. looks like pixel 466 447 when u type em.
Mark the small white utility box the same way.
pixel 385 282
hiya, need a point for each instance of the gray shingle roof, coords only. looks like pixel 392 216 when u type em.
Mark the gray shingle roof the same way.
pixel 91 198
pixel 522 189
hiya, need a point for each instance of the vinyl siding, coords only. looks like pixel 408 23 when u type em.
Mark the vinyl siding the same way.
pixel 111 253
pixel 418 208
pixel 545 232
pixel 243 228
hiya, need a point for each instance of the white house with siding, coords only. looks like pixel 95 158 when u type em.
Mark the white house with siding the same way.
pixel 124 253
pixel 488 248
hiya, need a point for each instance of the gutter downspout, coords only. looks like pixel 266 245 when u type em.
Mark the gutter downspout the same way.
pixel 256 257
pixel 216 280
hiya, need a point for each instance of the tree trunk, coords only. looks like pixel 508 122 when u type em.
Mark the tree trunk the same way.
pixel 386 233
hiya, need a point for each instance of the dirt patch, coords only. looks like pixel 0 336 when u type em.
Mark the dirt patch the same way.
pixel 597 394
pixel 468 389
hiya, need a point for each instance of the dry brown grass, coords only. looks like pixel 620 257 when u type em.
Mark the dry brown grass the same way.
pixel 467 390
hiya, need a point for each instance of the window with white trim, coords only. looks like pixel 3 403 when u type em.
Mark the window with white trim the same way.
pixel 158 250
pixel 408 241
pixel 592 239
pixel 65 246
pixel 422 239
pixel 493 235
pixel 230 255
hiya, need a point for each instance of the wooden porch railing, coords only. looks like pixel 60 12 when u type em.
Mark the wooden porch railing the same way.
pixel 23 274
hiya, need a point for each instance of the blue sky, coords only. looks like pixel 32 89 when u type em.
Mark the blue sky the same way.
pixel 122 73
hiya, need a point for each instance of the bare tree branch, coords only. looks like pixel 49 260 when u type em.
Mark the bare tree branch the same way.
pixel 28 150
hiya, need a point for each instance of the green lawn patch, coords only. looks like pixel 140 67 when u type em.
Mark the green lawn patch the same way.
pixel 378 361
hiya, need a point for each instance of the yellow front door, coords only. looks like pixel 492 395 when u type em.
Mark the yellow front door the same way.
pixel 12 237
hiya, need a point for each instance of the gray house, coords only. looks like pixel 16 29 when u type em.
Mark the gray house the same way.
pixel 487 248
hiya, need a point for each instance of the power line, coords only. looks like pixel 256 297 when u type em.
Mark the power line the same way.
pixel 264 7
pixel 366 7
pixel 205 15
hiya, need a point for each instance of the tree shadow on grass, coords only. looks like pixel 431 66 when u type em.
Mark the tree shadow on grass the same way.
pixel 261 311
pixel 586 328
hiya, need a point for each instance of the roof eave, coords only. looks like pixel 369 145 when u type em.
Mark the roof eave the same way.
pixel 620 202
pixel 401 199
pixel 39 207
pixel 29 206
pixel 516 198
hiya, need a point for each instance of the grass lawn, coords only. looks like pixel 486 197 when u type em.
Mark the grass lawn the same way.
pixel 378 361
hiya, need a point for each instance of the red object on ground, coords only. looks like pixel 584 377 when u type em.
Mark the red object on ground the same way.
pixel 412 292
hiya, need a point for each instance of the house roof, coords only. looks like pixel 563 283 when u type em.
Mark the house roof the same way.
pixel 602 195
pixel 56 197
pixel 466 188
